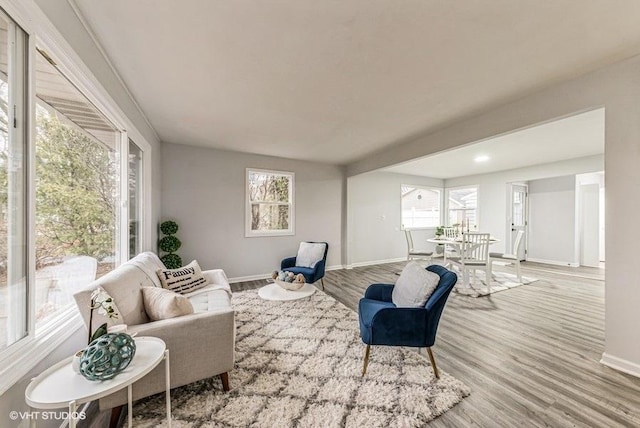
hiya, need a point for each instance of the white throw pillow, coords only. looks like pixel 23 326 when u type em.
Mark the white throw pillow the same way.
pixel 182 280
pixel 414 287
pixel 162 304
pixel 310 253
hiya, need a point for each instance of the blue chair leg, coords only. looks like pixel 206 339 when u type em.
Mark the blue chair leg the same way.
pixel 366 360
pixel 322 282
pixel 433 363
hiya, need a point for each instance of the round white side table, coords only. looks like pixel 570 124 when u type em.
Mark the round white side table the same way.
pixel 275 292
pixel 59 386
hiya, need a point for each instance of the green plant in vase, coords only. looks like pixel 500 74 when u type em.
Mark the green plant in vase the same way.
pixel 170 244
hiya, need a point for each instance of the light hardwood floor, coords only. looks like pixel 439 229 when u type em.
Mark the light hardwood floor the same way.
pixel 530 354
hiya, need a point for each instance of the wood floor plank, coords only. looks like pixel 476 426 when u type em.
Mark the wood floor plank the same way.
pixel 530 354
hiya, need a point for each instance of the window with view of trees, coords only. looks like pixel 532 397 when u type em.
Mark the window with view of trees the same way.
pixel 76 191
pixel 269 203
pixel 420 206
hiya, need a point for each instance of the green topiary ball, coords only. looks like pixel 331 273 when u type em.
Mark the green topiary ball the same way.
pixel 170 244
pixel 171 261
pixel 169 227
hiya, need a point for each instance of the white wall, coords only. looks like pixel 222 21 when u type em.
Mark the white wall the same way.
pixel 204 191
pixel 374 217
pixel 552 220
pixel 493 191
pixel 617 89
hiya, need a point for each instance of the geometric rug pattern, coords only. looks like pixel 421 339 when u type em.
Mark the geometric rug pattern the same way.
pixel 298 364
pixel 501 281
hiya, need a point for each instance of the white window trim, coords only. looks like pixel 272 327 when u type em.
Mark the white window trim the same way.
pixel 248 233
pixel 21 357
pixel 446 198
pixel 421 186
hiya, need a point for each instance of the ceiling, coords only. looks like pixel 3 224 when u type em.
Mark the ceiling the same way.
pixel 572 137
pixel 335 81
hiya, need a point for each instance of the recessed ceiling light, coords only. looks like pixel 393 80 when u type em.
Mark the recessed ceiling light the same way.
pixel 481 158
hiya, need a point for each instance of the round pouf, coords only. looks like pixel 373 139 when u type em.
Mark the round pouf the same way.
pixel 107 356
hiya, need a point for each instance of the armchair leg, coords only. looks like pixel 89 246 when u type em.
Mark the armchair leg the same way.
pixel 322 282
pixel 366 360
pixel 116 412
pixel 224 377
pixel 433 363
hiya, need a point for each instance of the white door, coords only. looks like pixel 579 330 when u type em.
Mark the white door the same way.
pixel 590 225
pixel 519 214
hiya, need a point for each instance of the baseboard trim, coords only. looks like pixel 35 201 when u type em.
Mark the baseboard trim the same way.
pixel 553 262
pixel 268 275
pixel 375 262
pixel 620 364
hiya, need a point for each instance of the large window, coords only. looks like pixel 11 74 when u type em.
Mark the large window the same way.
pixel 13 184
pixel 462 205
pixel 76 193
pixel 420 207
pixel 269 203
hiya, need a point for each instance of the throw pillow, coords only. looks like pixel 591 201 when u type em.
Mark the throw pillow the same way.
pixel 161 304
pixel 182 280
pixel 310 253
pixel 414 287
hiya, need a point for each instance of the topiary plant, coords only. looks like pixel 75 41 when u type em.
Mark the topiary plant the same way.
pixel 170 244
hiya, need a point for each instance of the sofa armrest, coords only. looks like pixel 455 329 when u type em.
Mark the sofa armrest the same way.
pixel 216 276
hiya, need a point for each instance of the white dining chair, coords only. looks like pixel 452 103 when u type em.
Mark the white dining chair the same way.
pixel 510 257
pixel 411 251
pixel 450 233
pixel 474 254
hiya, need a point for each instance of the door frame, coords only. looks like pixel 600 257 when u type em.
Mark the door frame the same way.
pixel 509 223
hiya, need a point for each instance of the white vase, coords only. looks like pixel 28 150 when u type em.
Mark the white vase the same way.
pixel 75 362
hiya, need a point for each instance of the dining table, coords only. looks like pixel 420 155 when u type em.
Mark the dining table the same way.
pixel 456 243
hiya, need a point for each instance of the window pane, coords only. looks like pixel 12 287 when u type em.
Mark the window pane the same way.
pixel 135 198
pixel 267 187
pixel 420 207
pixel 13 285
pixel 462 207
pixel 269 217
pixel 76 191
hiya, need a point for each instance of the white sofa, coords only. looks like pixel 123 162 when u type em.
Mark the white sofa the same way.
pixel 201 345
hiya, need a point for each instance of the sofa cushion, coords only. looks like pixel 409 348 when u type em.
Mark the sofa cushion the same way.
pixel 149 263
pixel 182 280
pixel 162 304
pixel 310 253
pixel 415 285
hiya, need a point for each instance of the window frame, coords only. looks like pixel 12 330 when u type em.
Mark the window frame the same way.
pixel 441 190
pixel 248 233
pixel 477 208
pixel 17 360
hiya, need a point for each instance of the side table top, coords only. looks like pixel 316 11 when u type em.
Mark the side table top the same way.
pixel 58 385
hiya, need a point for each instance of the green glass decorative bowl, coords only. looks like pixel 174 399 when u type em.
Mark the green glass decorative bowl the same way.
pixel 107 356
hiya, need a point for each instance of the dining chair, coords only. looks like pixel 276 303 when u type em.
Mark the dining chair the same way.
pixel 411 251
pixel 474 254
pixel 512 257
pixel 450 233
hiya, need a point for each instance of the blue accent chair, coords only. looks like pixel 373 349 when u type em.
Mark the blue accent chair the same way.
pixel 311 275
pixel 382 323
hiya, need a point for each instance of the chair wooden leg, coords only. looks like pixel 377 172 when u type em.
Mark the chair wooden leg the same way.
pixel 433 363
pixel 322 282
pixel 224 377
pixel 518 271
pixel 115 416
pixel 366 360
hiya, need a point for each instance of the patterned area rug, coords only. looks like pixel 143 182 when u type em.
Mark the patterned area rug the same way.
pixel 501 281
pixel 299 363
